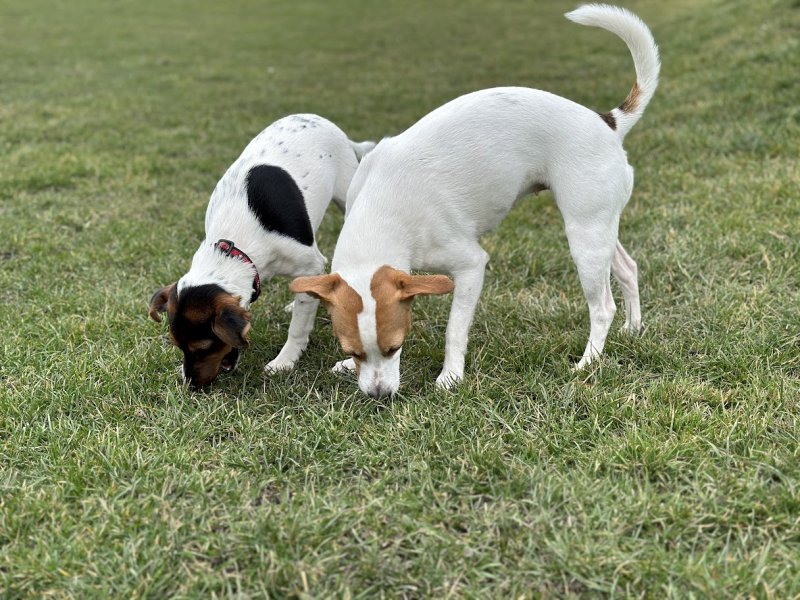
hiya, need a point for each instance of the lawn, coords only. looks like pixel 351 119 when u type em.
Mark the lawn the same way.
pixel 671 468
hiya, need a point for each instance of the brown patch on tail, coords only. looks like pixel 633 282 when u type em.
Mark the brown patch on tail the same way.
pixel 631 103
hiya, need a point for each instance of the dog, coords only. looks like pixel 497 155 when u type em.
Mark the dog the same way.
pixel 261 221
pixel 421 201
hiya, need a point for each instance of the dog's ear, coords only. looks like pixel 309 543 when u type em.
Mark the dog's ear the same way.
pixel 322 287
pixel 158 303
pixel 424 285
pixel 231 322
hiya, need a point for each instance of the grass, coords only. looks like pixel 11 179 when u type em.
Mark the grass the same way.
pixel 671 469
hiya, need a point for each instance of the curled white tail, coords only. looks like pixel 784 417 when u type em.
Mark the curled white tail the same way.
pixel 643 49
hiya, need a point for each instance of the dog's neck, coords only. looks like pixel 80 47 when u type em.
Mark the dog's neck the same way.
pixel 365 245
pixel 211 265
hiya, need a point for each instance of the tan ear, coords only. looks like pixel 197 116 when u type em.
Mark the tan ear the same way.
pixel 319 286
pixel 424 285
pixel 158 303
pixel 232 323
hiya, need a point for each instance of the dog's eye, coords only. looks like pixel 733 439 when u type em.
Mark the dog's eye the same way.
pixel 391 351
pixel 356 356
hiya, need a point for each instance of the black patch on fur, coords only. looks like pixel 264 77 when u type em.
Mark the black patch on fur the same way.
pixel 278 203
pixel 609 119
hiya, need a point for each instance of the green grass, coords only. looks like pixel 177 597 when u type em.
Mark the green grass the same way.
pixel 671 468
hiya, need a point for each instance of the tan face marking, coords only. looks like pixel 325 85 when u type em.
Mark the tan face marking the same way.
pixel 344 309
pixel 394 291
pixel 392 312
pixel 197 345
pixel 207 367
pixel 343 304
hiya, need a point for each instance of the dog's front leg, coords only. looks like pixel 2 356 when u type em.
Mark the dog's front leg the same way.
pixel 468 279
pixel 304 312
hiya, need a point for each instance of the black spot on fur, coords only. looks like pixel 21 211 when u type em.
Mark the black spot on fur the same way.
pixel 609 119
pixel 278 203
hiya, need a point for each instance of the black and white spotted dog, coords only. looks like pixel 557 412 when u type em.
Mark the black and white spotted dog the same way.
pixel 260 222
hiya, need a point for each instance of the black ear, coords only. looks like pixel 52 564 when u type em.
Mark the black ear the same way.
pixel 231 325
pixel 158 303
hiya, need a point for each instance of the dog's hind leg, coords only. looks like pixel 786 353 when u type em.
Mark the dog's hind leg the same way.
pixel 592 247
pixel 623 267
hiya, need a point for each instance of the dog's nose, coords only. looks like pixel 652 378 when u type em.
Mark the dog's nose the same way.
pixel 378 391
pixel 194 382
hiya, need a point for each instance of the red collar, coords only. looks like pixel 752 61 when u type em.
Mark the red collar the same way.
pixel 228 249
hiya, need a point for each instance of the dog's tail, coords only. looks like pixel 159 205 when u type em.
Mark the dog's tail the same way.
pixel 643 48
pixel 361 148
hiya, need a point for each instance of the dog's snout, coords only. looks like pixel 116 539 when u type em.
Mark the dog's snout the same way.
pixel 378 391
pixel 196 381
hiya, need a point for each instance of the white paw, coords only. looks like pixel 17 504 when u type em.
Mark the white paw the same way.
pixel 447 380
pixel 278 366
pixel 632 328
pixel 584 362
pixel 289 307
pixel 345 366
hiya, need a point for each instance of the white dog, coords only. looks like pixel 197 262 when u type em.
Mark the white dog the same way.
pixel 260 222
pixel 422 200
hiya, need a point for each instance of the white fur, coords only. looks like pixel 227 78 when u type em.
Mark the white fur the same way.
pixel 321 159
pixel 421 200
pixel 641 44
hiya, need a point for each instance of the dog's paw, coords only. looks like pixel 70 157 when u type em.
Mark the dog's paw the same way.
pixel 632 328
pixel 278 366
pixel 447 380
pixel 289 307
pixel 345 366
pixel 584 362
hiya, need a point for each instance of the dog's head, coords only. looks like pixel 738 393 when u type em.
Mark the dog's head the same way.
pixel 371 320
pixel 207 324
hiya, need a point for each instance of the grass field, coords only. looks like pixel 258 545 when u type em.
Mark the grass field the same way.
pixel 669 469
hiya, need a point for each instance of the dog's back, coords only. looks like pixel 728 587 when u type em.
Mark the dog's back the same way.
pixel 316 155
pixel 468 161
